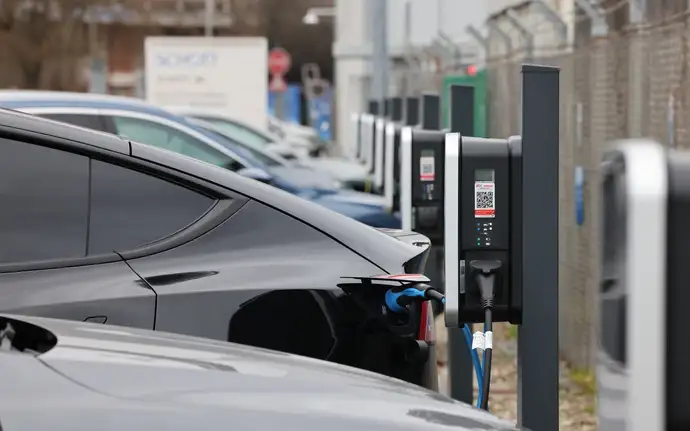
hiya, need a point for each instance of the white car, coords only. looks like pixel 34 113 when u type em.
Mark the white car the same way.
pixel 292 131
pixel 352 174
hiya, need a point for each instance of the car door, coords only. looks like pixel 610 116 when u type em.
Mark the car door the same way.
pixel 46 268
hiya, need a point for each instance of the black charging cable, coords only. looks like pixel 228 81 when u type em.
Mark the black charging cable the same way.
pixel 485 277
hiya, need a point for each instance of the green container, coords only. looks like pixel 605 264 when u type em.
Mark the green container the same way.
pixel 479 83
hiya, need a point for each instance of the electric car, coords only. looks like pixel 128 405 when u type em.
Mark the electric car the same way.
pixel 69 376
pixel 351 174
pixel 147 124
pixel 98 228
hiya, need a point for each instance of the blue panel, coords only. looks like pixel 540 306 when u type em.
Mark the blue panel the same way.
pixel 320 112
pixel 292 103
pixel 579 195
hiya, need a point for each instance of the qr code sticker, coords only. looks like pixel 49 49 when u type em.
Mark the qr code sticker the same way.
pixel 427 168
pixel 484 200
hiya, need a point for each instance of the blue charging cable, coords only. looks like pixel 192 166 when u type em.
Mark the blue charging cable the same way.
pixel 478 369
pixel 398 298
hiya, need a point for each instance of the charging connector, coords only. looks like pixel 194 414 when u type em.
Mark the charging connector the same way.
pixel 398 298
pixel 485 277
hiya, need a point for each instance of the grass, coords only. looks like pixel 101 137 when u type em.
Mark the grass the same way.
pixel 512 332
pixel 585 380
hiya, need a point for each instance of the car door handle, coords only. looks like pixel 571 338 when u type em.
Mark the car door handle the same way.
pixel 96 319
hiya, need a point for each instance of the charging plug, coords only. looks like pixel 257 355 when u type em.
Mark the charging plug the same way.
pixel 484 272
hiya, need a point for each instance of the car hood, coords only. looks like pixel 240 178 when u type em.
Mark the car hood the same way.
pixel 175 372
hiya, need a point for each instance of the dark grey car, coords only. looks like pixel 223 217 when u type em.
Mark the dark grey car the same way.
pixel 94 227
pixel 79 376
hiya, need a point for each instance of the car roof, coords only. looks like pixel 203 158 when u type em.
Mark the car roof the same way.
pixel 39 98
pixel 190 111
pixel 357 236
pixel 17 120
pixel 22 99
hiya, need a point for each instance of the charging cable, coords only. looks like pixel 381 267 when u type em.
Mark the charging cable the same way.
pixel 485 277
pixel 477 365
pixel 398 298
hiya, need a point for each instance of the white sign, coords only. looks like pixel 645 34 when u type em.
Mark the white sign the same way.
pixel 226 75
pixel 484 199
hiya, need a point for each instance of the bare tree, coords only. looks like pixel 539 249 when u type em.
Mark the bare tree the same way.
pixel 43 42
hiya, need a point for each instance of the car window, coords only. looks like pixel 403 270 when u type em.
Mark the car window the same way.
pixel 130 208
pixel 169 138
pixel 246 150
pixel 44 194
pixel 238 133
pixel 93 122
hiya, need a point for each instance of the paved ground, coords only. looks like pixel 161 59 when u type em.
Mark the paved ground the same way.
pixel 576 396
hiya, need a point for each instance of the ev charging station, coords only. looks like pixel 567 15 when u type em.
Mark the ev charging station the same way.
pixel 383 164
pixel 492 204
pixel 408 116
pixel 366 135
pixel 642 371
pixel 356 124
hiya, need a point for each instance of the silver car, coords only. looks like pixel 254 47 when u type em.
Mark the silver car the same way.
pixel 68 376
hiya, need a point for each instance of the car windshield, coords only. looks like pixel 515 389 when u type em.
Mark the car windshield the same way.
pixel 256 157
pixel 238 132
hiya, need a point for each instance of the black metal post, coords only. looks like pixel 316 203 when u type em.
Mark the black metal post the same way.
pixel 431 112
pixel 459 358
pixel 396 109
pixel 538 334
pixel 373 107
pixel 411 111
pixel 462 110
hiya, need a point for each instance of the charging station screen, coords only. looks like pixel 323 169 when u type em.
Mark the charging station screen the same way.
pixel 484 175
pixel 427 169
pixel 484 193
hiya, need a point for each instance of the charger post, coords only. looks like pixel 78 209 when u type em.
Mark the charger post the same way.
pixel 422 204
pixel 391 152
pixel 501 216
pixel 431 112
pixel 367 134
pixel 383 176
pixel 411 111
pixel 461 120
pixel 409 116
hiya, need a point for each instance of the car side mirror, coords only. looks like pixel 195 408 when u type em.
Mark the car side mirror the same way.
pixel 256 174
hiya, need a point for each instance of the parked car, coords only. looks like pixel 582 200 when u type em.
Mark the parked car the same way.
pixel 69 376
pixel 98 228
pixel 151 125
pixel 351 174
pixel 293 131
pixel 304 176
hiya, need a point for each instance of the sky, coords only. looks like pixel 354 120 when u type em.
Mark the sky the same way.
pixel 454 17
